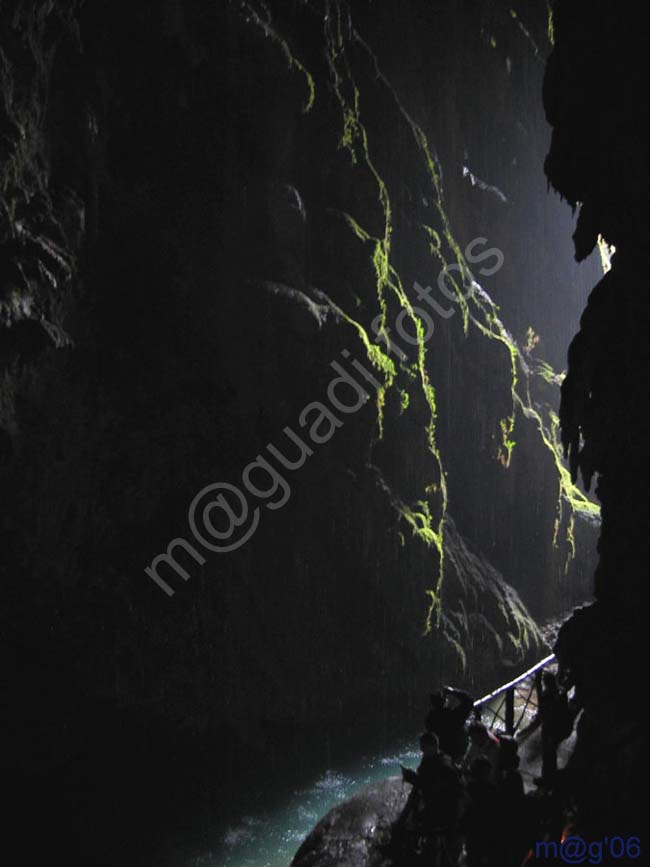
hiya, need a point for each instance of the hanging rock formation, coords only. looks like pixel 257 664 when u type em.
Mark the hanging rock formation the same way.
pixel 595 95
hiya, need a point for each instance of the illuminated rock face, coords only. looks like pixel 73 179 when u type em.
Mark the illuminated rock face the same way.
pixel 595 96
pixel 181 183
pixel 170 241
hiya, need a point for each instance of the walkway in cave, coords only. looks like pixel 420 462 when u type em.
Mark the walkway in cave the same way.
pixel 350 834
pixel 354 833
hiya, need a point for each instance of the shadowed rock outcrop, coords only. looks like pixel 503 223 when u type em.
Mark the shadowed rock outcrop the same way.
pixel 595 96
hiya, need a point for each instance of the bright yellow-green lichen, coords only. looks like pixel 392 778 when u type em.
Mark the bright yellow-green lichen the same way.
pixel 476 306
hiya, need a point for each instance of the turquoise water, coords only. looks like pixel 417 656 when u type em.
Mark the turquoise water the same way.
pixel 272 839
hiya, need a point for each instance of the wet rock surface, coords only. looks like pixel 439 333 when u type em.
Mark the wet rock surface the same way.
pixel 355 833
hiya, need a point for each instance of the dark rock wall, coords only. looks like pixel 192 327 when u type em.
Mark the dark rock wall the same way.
pixel 177 273
pixel 595 96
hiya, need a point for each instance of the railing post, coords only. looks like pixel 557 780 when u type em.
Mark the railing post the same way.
pixel 510 711
pixel 508 691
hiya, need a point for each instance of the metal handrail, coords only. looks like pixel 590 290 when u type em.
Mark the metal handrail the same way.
pixel 508 691
pixel 531 671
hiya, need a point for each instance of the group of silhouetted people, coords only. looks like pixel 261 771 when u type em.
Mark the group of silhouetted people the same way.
pixel 468 791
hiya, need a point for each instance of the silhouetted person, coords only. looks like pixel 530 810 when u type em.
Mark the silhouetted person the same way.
pixel 579 649
pixel 508 756
pixel 433 807
pixel 556 723
pixel 555 718
pixel 481 821
pixel 482 743
pixel 449 711
pixel 515 824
